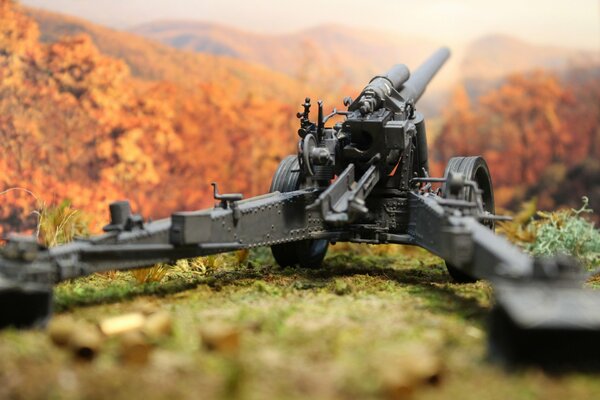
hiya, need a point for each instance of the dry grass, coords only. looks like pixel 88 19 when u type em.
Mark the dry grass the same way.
pixel 109 274
pixel 155 273
pixel 60 223
pixel 186 267
pixel 242 256
pixel 375 250
pixel 56 223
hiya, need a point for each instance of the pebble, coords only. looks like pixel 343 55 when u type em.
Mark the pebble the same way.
pixel 417 368
pixel 158 325
pixel 85 342
pixel 221 338
pixel 135 348
pixel 122 323
pixel 60 329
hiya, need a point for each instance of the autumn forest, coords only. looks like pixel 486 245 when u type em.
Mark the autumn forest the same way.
pixel 157 125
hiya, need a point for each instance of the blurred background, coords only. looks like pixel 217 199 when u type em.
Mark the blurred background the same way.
pixel 153 100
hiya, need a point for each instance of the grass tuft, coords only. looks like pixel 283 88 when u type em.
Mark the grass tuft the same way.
pixel 58 224
pixel 564 231
pixel 155 273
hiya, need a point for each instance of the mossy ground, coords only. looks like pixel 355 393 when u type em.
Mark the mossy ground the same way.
pixel 348 330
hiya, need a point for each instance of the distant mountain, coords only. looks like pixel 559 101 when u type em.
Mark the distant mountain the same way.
pixel 334 57
pixel 490 59
pixel 495 56
pixel 327 51
pixel 326 61
pixel 323 54
pixel 150 60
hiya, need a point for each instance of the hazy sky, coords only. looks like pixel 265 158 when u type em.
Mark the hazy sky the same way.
pixel 573 23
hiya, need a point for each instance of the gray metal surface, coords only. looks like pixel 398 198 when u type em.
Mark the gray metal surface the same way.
pixel 414 88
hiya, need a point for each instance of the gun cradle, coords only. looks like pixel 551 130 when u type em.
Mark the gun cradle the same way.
pixel 364 180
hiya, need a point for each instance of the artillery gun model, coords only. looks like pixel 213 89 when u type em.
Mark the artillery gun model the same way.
pixel 363 180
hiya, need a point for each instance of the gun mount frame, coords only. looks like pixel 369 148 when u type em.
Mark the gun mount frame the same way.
pixel 364 180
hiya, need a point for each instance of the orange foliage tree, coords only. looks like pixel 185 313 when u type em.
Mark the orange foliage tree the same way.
pixel 75 124
pixel 539 133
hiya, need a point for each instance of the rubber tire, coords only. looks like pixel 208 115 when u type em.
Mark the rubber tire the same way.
pixel 305 253
pixel 476 169
pixel 473 168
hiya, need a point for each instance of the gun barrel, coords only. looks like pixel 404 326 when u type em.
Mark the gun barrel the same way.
pixel 397 75
pixel 414 87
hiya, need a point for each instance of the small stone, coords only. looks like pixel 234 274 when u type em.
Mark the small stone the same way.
pixel 168 361
pixel 85 342
pixel 60 329
pixel 135 349
pixel 474 332
pixel 146 307
pixel 418 367
pixel 342 288
pixel 427 369
pixel 158 325
pixel 399 387
pixel 122 323
pixel 220 338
